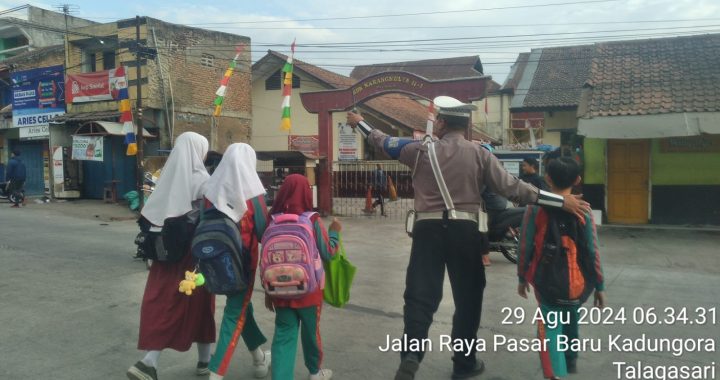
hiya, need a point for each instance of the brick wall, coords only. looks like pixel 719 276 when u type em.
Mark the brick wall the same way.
pixel 229 129
pixel 51 58
pixel 182 63
pixel 183 58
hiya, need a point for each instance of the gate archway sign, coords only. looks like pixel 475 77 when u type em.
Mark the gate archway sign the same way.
pixel 324 103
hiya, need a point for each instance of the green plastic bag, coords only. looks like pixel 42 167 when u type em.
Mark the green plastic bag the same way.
pixel 339 274
pixel 133 200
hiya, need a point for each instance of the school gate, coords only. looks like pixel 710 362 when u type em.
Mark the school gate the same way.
pixel 324 103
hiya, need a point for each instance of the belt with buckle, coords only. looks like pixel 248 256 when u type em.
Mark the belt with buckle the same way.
pixel 442 215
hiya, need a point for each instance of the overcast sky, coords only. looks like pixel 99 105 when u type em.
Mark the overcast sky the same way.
pixel 467 27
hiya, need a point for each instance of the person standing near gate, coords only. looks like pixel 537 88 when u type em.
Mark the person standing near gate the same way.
pixel 380 186
pixel 447 236
pixel 15 176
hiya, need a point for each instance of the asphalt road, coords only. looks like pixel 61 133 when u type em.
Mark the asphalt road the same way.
pixel 70 297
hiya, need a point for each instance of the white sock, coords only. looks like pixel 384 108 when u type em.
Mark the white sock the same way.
pixel 258 355
pixel 151 358
pixel 204 352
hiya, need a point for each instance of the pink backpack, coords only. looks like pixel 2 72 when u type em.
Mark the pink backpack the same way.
pixel 290 263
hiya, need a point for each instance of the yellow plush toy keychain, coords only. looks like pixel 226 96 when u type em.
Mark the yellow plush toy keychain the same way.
pixel 191 281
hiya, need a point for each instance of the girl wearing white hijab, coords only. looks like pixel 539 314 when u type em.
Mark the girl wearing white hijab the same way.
pixel 168 318
pixel 235 190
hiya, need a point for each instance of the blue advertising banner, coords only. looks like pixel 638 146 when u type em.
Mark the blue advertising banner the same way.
pixel 38 96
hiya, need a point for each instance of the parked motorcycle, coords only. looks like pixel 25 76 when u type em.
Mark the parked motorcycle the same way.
pixel 15 197
pixel 504 232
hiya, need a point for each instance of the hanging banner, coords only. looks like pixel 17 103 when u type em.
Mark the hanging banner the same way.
pixel 306 144
pixel 58 169
pixel 38 95
pixel 97 86
pixel 87 148
pixel 347 144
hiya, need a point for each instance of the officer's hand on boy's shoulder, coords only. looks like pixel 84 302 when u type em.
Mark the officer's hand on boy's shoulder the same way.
pixel 335 225
pixel 599 299
pixel 574 204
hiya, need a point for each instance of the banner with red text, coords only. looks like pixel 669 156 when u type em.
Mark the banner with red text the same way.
pixel 93 87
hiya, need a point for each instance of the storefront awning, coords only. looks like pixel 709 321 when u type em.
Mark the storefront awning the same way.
pixel 650 126
pixel 86 116
pixel 105 128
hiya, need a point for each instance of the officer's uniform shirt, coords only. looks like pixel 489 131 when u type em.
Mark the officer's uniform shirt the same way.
pixel 466 167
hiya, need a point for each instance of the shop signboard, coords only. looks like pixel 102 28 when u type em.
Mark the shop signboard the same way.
pixel 97 86
pixel 58 169
pixel 88 148
pixel 38 95
pixel 41 132
pixel 307 144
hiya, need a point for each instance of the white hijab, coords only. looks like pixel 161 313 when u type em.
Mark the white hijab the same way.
pixel 234 181
pixel 182 180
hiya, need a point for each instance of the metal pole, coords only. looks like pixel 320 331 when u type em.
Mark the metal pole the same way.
pixel 139 135
pixel 213 133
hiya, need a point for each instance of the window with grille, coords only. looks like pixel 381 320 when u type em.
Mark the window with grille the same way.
pixel 89 62
pixel 108 60
pixel 207 60
pixel 274 82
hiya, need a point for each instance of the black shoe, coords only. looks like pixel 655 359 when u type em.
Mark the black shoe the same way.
pixel 408 366
pixel 571 365
pixel 466 374
pixel 140 371
pixel 202 369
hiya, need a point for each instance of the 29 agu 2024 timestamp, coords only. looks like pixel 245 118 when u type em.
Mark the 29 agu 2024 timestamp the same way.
pixel 649 316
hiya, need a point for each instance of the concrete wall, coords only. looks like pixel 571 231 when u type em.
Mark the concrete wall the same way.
pixel 683 168
pixel 594 161
pixel 74 54
pixel 37 16
pixel 557 122
pixel 498 117
pixel 665 168
pixel 56 19
pixel 266 132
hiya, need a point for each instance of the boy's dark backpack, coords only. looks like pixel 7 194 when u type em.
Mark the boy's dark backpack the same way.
pixel 171 244
pixel 217 245
pixel 564 273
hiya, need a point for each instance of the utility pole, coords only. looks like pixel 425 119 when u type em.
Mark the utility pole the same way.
pixel 138 106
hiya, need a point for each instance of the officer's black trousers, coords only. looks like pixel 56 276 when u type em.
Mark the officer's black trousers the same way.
pixel 438 244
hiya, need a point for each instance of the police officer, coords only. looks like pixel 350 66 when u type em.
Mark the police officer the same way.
pixel 452 240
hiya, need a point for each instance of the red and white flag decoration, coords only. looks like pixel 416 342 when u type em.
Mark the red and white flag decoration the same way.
pixel 220 93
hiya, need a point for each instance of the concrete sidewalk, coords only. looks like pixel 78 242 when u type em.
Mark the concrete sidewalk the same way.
pixel 83 208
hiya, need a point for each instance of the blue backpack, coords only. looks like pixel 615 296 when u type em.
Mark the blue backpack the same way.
pixel 217 245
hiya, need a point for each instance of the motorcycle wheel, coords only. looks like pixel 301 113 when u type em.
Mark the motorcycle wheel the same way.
pixel 511 254
pixel 16 198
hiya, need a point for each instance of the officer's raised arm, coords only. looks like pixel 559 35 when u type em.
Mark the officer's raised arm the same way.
pixel 393 146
